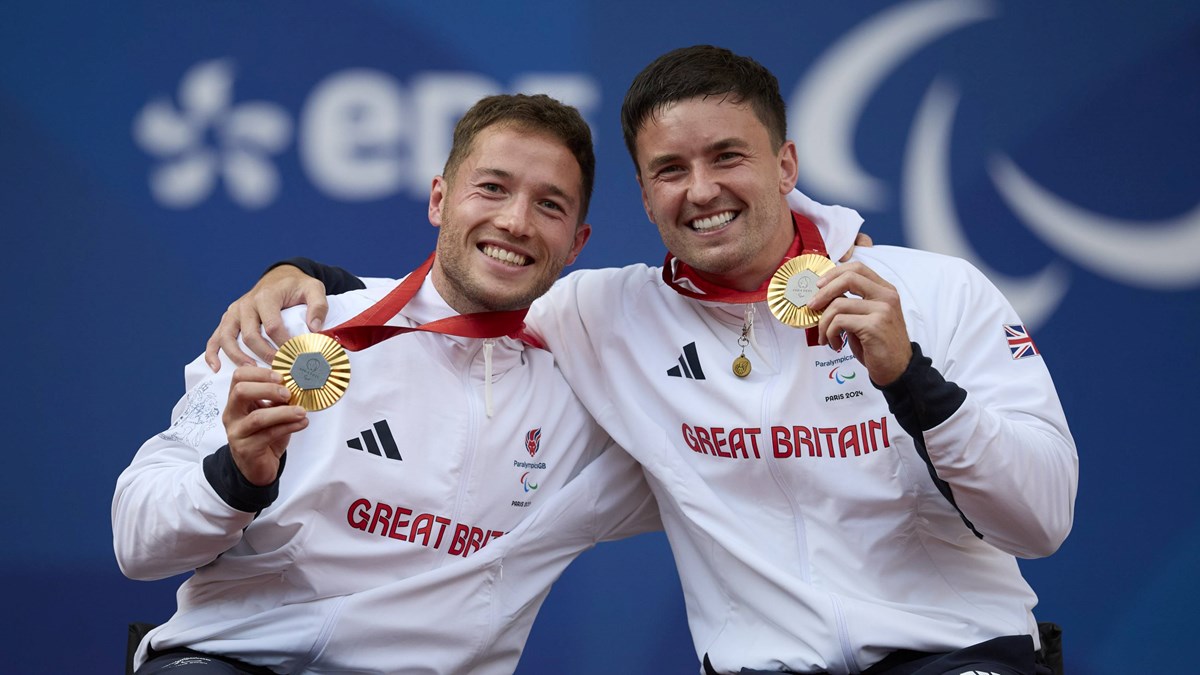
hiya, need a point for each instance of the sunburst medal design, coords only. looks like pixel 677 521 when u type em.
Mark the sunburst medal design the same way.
pixel 793 286
pixel 315 368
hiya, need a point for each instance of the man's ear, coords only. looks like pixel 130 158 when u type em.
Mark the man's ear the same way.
pixel 645 198
pixel 437 198
pixel 789 167
pixel 582 233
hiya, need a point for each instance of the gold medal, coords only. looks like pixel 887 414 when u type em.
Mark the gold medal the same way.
pixel 315 368
pixel 741 366
pixel 793 286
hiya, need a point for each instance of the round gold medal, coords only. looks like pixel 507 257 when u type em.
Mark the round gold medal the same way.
pixel 315 368
pixel 793 286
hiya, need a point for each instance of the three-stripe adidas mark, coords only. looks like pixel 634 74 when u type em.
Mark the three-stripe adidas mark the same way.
pixel 380 438
pixel 689 364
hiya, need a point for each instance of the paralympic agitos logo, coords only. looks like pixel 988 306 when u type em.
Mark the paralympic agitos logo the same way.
pixel 842 376
pixel 824 114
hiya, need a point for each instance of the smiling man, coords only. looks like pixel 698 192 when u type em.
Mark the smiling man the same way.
pixel 822 521
pixel 372 536
pixel 830 510
pixel 715 199
pixel 527 241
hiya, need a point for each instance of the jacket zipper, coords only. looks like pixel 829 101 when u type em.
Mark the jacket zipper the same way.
pixel 805 567
pixel 472 439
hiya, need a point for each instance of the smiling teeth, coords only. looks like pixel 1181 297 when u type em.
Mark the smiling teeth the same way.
pixel 505 256
pixel 702 224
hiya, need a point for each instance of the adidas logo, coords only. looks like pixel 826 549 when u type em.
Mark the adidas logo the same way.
pixel 689 364
pixel 377 442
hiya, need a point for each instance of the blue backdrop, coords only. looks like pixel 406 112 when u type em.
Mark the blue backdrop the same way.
pixel 156 156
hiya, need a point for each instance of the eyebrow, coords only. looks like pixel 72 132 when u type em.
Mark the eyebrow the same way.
pixel 715 146
pixel 541 187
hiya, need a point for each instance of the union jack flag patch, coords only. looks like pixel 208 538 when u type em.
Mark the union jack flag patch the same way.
pixel 1019 341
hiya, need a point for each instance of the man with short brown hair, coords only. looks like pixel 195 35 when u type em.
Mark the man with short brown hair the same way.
pixel 372 535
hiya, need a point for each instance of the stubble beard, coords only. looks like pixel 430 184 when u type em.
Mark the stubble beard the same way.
pixel 467 294
pixel 732 258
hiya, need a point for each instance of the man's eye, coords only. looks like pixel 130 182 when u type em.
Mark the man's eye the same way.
pixel 547 204
pixel 727 156
pixel 490 187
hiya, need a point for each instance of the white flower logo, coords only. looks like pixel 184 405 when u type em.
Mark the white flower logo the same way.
pixel 242 137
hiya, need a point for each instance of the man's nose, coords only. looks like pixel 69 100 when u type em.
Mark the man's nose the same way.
pixel 703 187
pixel 514 218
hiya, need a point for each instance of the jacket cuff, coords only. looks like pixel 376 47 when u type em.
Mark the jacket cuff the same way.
pixel 233 488
pixel 336 279
pixel 921 398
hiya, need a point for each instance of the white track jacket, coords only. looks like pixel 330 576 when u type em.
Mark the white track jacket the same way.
pixel 411 532
pixel 815 527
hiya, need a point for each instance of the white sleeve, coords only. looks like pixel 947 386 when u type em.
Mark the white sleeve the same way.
pixel 608 500
pixel 571 319
pixel 378 282
pixel 166 517
pixel 576 315
pixel 1006 451
pixel 623 504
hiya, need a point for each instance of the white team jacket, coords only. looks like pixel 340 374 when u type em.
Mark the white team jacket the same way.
pixel 398 510
pixel 806 525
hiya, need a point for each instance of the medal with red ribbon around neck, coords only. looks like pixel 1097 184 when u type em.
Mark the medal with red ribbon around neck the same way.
pixel 316 368
pixel 787 293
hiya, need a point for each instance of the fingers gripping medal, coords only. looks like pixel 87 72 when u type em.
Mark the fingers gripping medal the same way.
pixel 793 286
pixel 315 369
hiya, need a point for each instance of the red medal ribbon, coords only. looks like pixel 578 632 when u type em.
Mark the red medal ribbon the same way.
pixel 807 240
pixel 369 327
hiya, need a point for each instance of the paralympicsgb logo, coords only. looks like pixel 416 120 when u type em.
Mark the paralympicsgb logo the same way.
pixel 203 136
pixel 533 441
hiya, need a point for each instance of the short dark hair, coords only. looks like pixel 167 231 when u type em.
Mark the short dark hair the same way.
pixel 703 71
pixel 536 113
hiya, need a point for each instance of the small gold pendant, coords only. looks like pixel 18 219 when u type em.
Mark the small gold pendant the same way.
pixel 315 369
pixel 741 366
